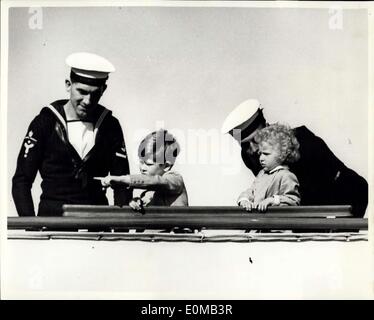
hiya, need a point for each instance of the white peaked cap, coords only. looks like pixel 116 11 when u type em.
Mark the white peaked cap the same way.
pixel 89 65
pixel 245 112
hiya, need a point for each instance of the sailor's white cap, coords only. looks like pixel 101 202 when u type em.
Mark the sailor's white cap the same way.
pixel 89 66
pixel 242 116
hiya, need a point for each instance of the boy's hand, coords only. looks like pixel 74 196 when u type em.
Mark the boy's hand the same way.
pixel 137 205
pixel 112 181
pixel 105 181
pixel 247 205
pixel 263 205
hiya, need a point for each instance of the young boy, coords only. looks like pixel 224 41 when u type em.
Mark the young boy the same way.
pixel 274 185
pixel 163 187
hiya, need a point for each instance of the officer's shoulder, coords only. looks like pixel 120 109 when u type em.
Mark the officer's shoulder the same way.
pixel 112 120
pixel 303 132
pixel 45 117
pixel 108 113
pixel 47 113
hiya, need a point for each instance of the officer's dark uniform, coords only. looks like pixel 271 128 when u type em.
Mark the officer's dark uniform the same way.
pixel 324 179
pixel 68 179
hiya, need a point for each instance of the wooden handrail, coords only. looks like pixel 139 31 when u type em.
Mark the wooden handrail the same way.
pixel 295 212
pixel 216 221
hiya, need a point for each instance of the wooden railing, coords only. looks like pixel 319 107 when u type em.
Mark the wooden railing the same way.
pixel 337 218
pixel 279 212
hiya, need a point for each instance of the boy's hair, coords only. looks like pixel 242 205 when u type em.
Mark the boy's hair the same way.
pixel 282 137
pixel 160 146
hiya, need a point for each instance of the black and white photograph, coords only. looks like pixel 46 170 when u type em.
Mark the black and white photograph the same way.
pixel 186 150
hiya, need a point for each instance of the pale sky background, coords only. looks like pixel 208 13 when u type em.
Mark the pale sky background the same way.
pixel 187 68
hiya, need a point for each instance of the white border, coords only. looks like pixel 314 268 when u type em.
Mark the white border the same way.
pixel 219 4
pixel 7 4
pixel 371 132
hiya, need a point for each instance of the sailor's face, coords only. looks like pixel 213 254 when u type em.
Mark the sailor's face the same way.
pixel 84 98
pixel 249 144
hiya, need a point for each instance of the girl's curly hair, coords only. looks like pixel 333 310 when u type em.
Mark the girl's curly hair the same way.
pixel 281 137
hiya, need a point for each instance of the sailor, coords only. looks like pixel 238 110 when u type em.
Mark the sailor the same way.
pixel 71 141
pixel 324 179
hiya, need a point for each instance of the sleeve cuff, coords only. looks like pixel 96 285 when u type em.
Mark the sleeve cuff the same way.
pixel 242 199
pixel 276 200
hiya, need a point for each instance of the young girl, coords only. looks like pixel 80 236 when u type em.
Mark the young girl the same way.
pixel 163 187
pixel 274 185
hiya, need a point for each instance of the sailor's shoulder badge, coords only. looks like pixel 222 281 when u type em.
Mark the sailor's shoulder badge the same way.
pixel 122 152
pixel 121 155
pixel 30 142
pixel 29 136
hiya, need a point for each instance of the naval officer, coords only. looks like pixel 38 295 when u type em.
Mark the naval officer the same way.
pixel 71 141
pixel 324 179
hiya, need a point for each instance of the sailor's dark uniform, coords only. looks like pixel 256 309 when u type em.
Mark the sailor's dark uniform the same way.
pixel 66 177
pixel 324 179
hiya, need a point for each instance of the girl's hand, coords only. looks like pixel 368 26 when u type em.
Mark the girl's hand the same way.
pixel 247 205
pixel 264 204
